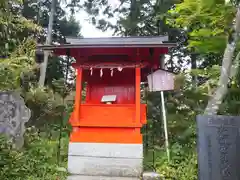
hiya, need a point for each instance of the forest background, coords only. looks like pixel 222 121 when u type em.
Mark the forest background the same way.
pixel 202 30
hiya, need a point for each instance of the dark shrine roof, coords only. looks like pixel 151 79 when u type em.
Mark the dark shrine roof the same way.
pixel 112 42
pixel 113 48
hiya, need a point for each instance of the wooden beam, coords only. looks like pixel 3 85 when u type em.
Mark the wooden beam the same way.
pixel 138 93
pixel 78 97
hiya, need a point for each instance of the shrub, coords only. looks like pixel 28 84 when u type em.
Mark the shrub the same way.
pixel 183 164
pixel 48 109
pixel 37 161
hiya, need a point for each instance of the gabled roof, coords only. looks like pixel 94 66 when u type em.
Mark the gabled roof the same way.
pixel 112 42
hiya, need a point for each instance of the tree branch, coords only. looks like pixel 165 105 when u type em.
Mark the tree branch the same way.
pixel 218 96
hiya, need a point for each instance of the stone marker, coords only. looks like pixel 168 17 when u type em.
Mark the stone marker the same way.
pixel 13 116
pixel 218 147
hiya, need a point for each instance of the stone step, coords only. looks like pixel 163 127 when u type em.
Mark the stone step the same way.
pixel 146 176
pixel 80 177
pixel 102 166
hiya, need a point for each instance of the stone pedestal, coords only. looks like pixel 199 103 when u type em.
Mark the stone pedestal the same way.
pixel 145 176
pixel 105 159
pixel 79 177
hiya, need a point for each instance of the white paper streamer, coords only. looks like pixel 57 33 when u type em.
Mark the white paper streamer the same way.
pixel 91 69
pixel 120 69
pixel 111 71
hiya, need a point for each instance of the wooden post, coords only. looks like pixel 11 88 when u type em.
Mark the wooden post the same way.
pixel 138 93
pixel 78 96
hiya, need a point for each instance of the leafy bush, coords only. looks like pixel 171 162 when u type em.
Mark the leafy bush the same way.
pixel 19 62
pixel 36 161
pixel 181 167
pixel 48 109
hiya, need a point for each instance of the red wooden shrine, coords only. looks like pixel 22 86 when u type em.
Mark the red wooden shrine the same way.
pixel 111 66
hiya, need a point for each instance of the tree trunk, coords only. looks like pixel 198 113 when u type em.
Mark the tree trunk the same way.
pixel 218 96
pixel 133 18
pixel 194 67
pixel 43 67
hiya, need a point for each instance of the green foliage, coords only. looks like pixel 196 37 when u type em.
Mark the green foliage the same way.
pixel 208 23
pixel 69 27
pixel 38 12
pixel 13 27
pixel 20 62
pixel 60 70
pixel 201 25
pixel 183 163
pixel 36 161
pixel 182 107
pixel 48 109
pixel 182 166
pixel 133 17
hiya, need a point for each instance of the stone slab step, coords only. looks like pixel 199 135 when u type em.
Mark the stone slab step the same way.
pixel 146 176
pixel 108 150
pixel 80 177
pixel 102 166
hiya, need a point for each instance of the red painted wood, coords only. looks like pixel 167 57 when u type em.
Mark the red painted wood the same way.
pixel 111 123
pixel 130 54
pixel 121 84
pixel 86 52
pixel 107 135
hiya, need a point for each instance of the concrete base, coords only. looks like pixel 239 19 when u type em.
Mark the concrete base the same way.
pixel 102 159
pixel 106 150
pixel 95 166
pixel 146 176
pixel 99 178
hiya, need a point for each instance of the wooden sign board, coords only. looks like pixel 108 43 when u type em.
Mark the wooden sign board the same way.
pixel 160 80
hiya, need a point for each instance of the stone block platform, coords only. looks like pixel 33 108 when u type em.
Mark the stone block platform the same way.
pixel 99 178
pixel 146 176
pixel 105 159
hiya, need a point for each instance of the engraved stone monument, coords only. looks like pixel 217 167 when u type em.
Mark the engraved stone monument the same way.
pixel 218 147
pixel 13 116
